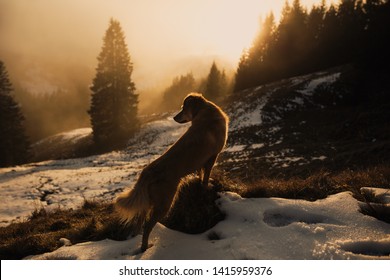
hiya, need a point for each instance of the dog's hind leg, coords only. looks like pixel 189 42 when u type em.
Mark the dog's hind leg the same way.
pixel 156 215
pixel 150 223
pixel 207 170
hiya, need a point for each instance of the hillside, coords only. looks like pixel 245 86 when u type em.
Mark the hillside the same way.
pixel 301 125
pixel 68 144
pixel 303 137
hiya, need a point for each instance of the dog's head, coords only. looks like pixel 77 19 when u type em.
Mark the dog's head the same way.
pixel 190 108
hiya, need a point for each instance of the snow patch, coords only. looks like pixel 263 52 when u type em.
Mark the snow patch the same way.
pixel 76 134
pixel 257 146
pixel 248 114
pixel 235 148
pixel 319 158
pixel 313 84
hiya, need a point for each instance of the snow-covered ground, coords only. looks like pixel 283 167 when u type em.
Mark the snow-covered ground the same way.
pixel 67 183
pixel 254 228
pixel 259 228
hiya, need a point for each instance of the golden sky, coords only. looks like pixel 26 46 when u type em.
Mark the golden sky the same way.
pixel 165 37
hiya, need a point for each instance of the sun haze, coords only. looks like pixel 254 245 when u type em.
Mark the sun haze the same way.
pixel 165 38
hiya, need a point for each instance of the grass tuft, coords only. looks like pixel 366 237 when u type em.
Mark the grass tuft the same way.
pixel 194 209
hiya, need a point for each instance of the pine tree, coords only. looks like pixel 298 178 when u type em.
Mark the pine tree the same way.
pixel 259 66
pixel 243 76
pixel 290 37
pixel 216 84
pixel 13 141
pixel 114 103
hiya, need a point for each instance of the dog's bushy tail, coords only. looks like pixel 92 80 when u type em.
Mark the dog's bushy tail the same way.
pixel 133 203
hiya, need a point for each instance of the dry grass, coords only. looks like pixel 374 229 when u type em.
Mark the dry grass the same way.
pixel 320 184
pixel 43 230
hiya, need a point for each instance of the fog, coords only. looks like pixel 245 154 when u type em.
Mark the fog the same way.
pixel 52 45
pixel 40 35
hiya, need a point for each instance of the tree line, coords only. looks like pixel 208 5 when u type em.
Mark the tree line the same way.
pixel 353 31
pixel 215 87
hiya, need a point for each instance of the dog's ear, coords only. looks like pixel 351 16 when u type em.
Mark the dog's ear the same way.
pixel 194 102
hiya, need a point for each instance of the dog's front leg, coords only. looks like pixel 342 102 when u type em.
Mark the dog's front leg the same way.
pixel 207 170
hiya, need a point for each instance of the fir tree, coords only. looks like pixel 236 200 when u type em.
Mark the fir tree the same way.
pixel 290 36
pixel 114 103
pixel 13 142
pixel 314 28
pixel 216 84
pixel 243 75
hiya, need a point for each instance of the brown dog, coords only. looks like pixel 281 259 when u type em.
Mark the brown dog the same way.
pixel 196 150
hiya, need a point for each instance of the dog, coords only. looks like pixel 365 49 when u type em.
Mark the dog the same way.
pixel 195 151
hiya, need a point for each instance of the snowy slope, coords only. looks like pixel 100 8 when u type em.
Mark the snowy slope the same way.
pixel 67 183
pixel 254 228
pixel 258 123
pixel 62 145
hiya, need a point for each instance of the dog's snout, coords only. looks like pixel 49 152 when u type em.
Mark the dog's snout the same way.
pixel 180 117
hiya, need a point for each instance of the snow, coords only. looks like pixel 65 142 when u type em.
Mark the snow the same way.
pixel 77 134
pixel 235 148
pixel 257 146
pixel 313 84
pixel 259 228
pixel 248 114
pixel 319 158
pixel 72 136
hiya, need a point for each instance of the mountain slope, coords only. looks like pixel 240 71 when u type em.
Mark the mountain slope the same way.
pixel 301 125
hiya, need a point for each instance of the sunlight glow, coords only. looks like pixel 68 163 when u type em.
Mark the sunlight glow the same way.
pixel 165 38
